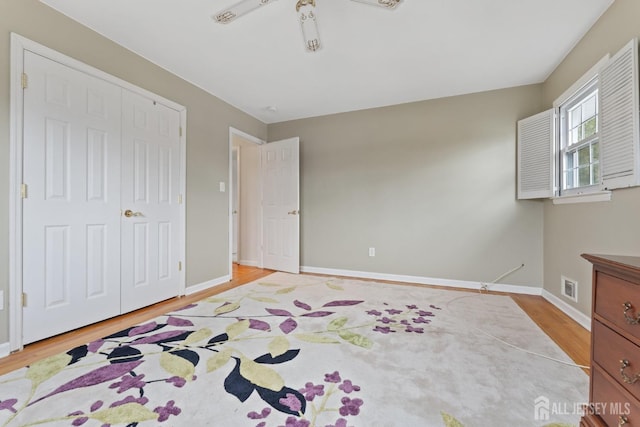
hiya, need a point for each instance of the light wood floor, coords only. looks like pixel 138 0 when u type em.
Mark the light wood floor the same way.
pixel 569 336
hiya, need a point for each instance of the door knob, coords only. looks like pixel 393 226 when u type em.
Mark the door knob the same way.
pixel 129 213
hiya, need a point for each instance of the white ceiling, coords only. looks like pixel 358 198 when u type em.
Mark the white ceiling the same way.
pixel 371 56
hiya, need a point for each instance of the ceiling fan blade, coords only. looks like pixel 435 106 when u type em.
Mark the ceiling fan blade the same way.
pixel 388 4
pixel 241 8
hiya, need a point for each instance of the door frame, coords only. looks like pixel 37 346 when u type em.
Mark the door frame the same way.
pixel 19 45
pixel 237 132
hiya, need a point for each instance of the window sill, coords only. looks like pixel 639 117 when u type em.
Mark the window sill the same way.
pixel 597 196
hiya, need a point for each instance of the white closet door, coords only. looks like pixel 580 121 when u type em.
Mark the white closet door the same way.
pixel 150 190
pixel 71 215
pixel 281 205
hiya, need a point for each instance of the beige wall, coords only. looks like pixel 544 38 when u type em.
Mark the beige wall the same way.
pixel 606 227
pixel 208 121
pixel 430 185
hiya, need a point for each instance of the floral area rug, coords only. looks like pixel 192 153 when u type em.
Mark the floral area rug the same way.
pixel 308 351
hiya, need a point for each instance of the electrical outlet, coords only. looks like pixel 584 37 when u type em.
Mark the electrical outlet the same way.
pixel 372 251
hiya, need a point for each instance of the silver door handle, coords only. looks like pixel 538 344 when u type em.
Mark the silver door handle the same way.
pixel 129 213
pixel 294 212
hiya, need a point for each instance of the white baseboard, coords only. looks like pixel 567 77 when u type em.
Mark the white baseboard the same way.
pixel 516 289
pixel 5 349
pixel 248 263
pixel 582 319
pixel 207 285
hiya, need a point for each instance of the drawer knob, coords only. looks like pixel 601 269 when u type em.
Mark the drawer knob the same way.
pixel 622 420
pixel 630 320
pixel 624 364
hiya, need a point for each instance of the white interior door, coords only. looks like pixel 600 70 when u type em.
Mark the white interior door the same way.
pixel 281 205
pixel 71 213
pixel 235 203
pixel 149 200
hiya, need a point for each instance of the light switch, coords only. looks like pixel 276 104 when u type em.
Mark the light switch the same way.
pixel 223 187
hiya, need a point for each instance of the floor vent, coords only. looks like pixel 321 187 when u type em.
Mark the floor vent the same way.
pixel 569 288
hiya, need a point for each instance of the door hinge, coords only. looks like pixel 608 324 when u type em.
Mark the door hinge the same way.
pixel 180 130
pixel 24 299
pixel 23 191
pixel 179 265
pixel 25 81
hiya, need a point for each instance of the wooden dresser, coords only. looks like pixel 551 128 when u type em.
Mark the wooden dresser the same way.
pixel 614 394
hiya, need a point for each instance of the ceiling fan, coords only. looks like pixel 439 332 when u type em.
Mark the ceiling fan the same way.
pixel 306 16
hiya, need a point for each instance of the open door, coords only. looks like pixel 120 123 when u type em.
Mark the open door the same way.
pixel 281 205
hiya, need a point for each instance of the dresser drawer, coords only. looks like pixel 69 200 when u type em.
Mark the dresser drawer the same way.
pixel 611 296
pixel 610 349
pixel 611 403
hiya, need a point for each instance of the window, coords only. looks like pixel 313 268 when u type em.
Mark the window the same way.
pixel 589 142
pixel 579 144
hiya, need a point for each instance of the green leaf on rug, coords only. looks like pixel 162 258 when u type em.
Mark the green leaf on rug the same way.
pixel 450 421
pixel 41 371
pixel 278 346
pixel 286 290
pixel 216 299
pixel 237 328
pixel 177 366
pixel 265 299
pixel 356 339
pixel 218 360
pixel 337 324
pixel 198 336
pixel 316 338
pixel 227 308
pixel 334 287
pixel 129 413
pixel 260 375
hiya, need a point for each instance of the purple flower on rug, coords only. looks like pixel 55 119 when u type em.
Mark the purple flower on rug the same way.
pixel 393 311
pixel 94 346
pixel 383 329
pixel 434 307
pixel 262 424
pixel 425 313
pixel 178 382
pixel 332 378
pixel 421 320
pixel 350 406
pixel 340 422
pixel 8 405
pixel 278 312
pixel 166 411
pixel 130 399
pixel 129 382
pixel 386 320
pixel 259 325
pixel 97 405
pixel 416 330
pixel 412 307
pixel 263 414
pixel 310 391
pixel 176 321
pixel 405 322
pixel 288 326
pixel 292 422
pixel 374 312
pixel 143 329
pixel 80 420
pixel 292 402
pixel 301 304
pixel 348 387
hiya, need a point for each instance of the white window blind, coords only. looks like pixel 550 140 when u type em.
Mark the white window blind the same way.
pixel 619 114
pixel 535 156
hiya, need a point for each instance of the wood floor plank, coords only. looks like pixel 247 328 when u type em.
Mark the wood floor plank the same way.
pixel 564 331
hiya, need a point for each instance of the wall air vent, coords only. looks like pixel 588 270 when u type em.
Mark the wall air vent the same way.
pixel 569 288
